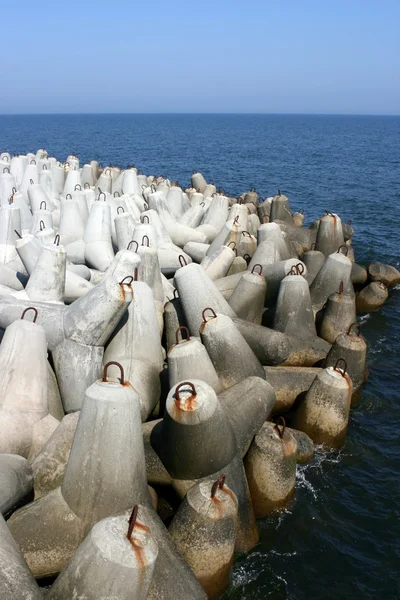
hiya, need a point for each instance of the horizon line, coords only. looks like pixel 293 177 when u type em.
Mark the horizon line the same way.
pixel 305 114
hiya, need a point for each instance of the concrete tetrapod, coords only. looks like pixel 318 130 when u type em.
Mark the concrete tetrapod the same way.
pixel 324 413
pixel 352 347
pixel 196 250
pixel 294 313
pixel 193 414
pixel 23 386
pixel 105 472
pixel 218 264
pixel 16 481
pixel 248 405
pixel 274 274
pixel 247 299
pixel 271 468
pixel 16 582
pixel 387 274
pixel 247 533
pixel 106 466
pixel 49 465
pixel 204 532
pixel 313 259
pixel 359 275
pixel 137 346
pixel 272 232
pixel 267 253
pixel 329 234
pixel 280 209
pixel 197 292
pixel 87 325
pixel 339 314
pixel 231 355
pixel 174 317
pixel 288 383
pixel 371 297
pixel 47 280
pixel 335 269
pixel 172 576
pixel 116 560
pixel 230 232
pixel 97 236
pixel 275 348
pixel 188 359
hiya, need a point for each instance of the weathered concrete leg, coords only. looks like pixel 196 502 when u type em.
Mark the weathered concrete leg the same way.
pixel 271 468
pixel 204 532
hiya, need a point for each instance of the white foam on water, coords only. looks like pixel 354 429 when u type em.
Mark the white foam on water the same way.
pixel 322 458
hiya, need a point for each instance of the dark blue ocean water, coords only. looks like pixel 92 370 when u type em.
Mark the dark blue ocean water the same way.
pixel 341 536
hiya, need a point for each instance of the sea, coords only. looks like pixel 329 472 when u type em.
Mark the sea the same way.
pixel 340 537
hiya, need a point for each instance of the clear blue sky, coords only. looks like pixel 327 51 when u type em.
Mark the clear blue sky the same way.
pixel 304 56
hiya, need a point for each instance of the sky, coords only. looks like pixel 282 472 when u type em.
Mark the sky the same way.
pixel 248 56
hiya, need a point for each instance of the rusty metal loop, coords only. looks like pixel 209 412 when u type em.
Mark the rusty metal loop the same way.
pixel 6 169
pixel 102 194
pixel 247 258
pixel 355 324
pixel 77 187
pixel 236 220
pixel 246 233
pixel 153 188
pixel 145 217
pixel 45 205
pixel 183 260
pixel 133 242
pixel 109 172
pixel 57 240
pixel 328 212
pixel 5 158
pixel 282 422
pixel 176 294
pixel 132 521
pixel 18 234
pixel 202 204
pixel 343 246
pixel 148 241
pixel 33 162
pixel 257 265
pixel 219 484
pixel 341 288
pixel 34 310
pixel 120 208
pixel 117 364
pixel 181 385
pixel 203 314
pixel 234 245
pixel 42 225
pixel 338 369
pixel 117 194
pixel 279 192
pixel 301 211
pixel 86 186
pixel 300 268
pixel 31 182
pixel 182 328
pixel 70 197
pixel 123 281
